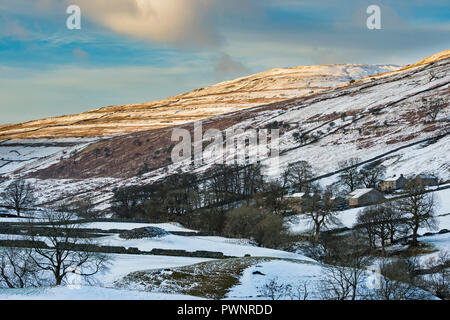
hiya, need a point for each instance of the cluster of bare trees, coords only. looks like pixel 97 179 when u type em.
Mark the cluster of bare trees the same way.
pixel 50 256
pixel 346 257
pixel 350 272
pixel 181 194
pixel 398 280
pixel 381 224
pixel 418 208
pixel 229 200
pixel 404 278
pixel 351 177
pixel 177 195
pixel 436 279
pixel 264 227
pixel 320 211
pixel 345 260
pixel 226 184
pixel 222 187
pixel 385 223
pixel 298 176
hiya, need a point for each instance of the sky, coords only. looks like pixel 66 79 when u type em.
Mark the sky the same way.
pixel 133 51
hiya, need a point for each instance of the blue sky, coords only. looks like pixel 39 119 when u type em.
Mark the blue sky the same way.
pixel 131 51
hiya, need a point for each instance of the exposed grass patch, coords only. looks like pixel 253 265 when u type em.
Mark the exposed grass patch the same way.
pixel 211 279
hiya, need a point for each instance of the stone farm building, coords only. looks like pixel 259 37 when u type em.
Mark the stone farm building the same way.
pixel 362 197
pixel 297 201
pixel 427 179
pixel 393 183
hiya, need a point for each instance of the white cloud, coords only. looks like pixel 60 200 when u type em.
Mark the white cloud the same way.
pixel 180 22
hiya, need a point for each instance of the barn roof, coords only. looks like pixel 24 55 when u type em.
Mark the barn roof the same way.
pixel 391 179
pixel 296 195
pixel 426 176
pixel 359 192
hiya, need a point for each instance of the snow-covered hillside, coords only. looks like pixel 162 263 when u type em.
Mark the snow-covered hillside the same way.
pixel 262 88
pixel 37 153
pixel 379 118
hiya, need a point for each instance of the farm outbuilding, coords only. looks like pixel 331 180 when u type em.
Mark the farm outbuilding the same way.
pixel 362 197
pixel 393 183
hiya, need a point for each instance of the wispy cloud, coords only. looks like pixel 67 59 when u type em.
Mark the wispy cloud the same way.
pixel 227 67
pixel 13 28
pixel 80 53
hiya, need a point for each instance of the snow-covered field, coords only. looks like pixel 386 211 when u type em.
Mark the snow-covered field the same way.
pixel 129 226
pixel 285 268
pixel 440 241
pixel 230 247
pixel 86 293
pixel 284 272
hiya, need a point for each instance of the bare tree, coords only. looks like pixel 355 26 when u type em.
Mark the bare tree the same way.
pixel 350 176
pixel 396 222
pixel 299 176
pixel 274 195
pixel 418 208
pixel 274 289
pixel 365 223
pixel 437 281
pixel 381 223
pixel 19 194
pixel 320 211
pixel 433 76
pixel 17 269
pixel 371 176
pixel 434 106
pixel 335 284
pixel 68 252
pixel 345 262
